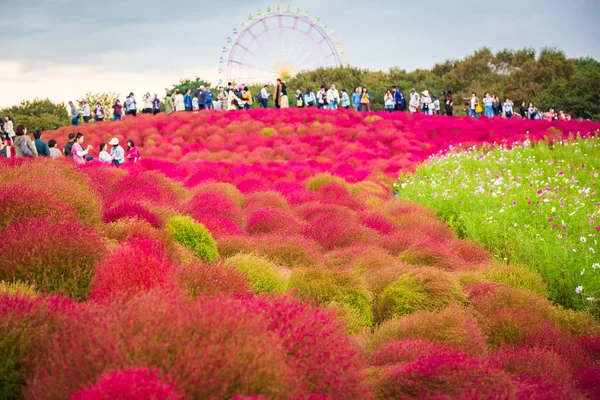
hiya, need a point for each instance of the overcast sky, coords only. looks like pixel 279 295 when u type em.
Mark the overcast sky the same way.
pixel 63 48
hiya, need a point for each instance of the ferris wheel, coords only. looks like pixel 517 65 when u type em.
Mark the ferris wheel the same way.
pixel 275 44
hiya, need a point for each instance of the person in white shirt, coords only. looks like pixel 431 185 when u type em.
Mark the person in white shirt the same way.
pixel 415 101
pixel 508 108
pixel 333 98
pixel 473 106
pixel 178 101
pixel 104 155
pixel 388 101
pixel 322 98
pixel 264 97
pixel 426 103
pixel 436 106
pixel 85 111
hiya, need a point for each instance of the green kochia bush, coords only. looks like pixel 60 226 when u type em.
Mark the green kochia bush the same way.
pixel 194 236
pixel 420 289
pixel 342 290
pixel 263 275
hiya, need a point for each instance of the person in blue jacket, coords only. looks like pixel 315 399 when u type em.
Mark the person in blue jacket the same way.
pixel 398 99
pixel 187 100
pixel 208 99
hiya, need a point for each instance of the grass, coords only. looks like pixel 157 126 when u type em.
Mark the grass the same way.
pixel 535 205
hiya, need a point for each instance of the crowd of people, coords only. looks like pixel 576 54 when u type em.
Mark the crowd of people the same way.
pixel 21 145
pixel 239 97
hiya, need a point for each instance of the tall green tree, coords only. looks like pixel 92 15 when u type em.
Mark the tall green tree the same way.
pixel 38 114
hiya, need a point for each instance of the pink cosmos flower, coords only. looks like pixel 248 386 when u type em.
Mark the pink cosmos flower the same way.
pixel 592 222
pixel 579 289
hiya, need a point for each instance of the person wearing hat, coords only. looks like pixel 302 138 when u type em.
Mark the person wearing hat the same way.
pixel 85 111
pixel 117 152
pixel 426 102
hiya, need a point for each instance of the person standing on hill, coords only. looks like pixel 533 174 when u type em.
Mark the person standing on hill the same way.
pixel 309 98
pixel 356 96
pixel 222 98
pixel 24 146
pixel 4 149
pixel 54 151
pixel 299 99
pixel 130 105
pixel 365 100
pixel 117 110
pixel 488 102
pixel 85 111
pixel 74 114
pixel 436 106
pixel 40 146
pixel 398 99
pixel 497 106
pixel 388 101
pixel 508 108
pixel 474 103
pixel 208 99
pixel 415 101
pixel 426 105
pixel 69 145
pixel 345 99
pixel 187 100
pixel 155 104
pixel 263 96
pixel 322 98
pixel 199 94
pixel 449 103
pixel 333 98
pixel 169 106
pixel 147 104
pixel 278 93
pixel 178 101
pixel 79 154
pixel 247 97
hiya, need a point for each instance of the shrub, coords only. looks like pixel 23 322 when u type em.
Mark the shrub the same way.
pixel 269 220
pixel 289 250
pixel 68 186
pixel 211 279
pixel 431 253
pixel 588 381
pixel 130 384
pixel 446 376
pixel 214 204
pixel 378 223
pixel 230 245
pixel 259 200
pixel 26 324
pixel 332 231
pixel 407 350
pixel 451 326
pixel 318 181
pixel 420 289
pixel 224 188
pixel 55 257
pixel 262 274
pixel 488 299
pixel 127 209
pixel 215 348
pixel 341 288
pixel 17 288
pixel 22 201
pixel 533 362
pixel 194 236
pixel 147 187
pixel 136 265
pixel 578 323
pixel 513 275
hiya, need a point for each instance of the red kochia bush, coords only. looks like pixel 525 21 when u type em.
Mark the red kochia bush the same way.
pixel 130 384
pixel 22 201
pixel 139 264
pixel 128 209
pixel 446 376
pixel 331 231
pixel 269 220
pixel 56 257
pixel 214 204
pixel 213 348
pixel 408 350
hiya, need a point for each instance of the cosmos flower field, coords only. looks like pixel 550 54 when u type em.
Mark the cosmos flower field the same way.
pixel 263 255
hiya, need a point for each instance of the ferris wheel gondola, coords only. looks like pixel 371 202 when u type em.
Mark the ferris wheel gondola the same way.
pixel 278 43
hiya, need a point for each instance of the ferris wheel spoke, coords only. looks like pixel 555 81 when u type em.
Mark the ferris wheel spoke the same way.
pixel 254 67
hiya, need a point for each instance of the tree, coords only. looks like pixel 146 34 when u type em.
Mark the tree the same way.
pixel 38 114
pixel 186 84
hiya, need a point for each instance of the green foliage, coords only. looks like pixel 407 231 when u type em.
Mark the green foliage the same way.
pixel 513 275
pixel 17 288
pixel 190 84
pixel 262 274
pixel 421 289
pixel 535 206
pixel 318 181
pixel 38 114
pixel 194 236
pixel 340 290
pixel 548 79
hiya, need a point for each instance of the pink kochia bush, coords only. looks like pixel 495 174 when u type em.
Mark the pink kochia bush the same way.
pixel 213 348
pixel 131 210
pixel 130 384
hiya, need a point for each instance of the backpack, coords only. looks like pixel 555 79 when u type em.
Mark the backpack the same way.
pixel 259 97
pixel 25 150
